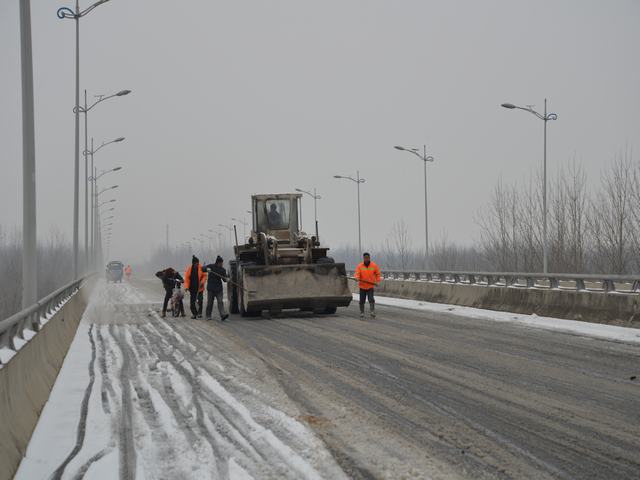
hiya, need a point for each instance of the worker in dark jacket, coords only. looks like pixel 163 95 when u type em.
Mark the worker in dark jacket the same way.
pixel 217 275
pixel 168 277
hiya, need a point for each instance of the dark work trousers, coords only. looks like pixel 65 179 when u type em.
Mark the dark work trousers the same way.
pixel 195 302
pixel 364 295
pixel 211 296
pixel 167 296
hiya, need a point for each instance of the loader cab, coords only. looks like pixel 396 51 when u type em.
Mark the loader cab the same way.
pixel 277 215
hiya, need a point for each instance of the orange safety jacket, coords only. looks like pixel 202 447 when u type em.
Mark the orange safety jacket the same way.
pixel 202 277
pixel 368 277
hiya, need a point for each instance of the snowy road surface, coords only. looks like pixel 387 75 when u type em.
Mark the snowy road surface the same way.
pixel 412 394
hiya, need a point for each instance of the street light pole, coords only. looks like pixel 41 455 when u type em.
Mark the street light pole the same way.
pixel 315 197
pixel 29 254
pixel 93 169
pixel 545 118
pixel 65 12
pixel 85 110
pixel 358 181
pixel 425 158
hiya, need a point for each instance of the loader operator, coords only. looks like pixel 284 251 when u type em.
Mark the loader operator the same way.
pixel 274 217
pixel 194 280
pixel 368 276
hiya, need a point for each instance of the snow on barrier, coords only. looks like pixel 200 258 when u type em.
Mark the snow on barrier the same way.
pixel 33 344
pixel 592 298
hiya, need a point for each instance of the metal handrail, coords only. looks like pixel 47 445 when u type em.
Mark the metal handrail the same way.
pixel 29 318
pixel 522 279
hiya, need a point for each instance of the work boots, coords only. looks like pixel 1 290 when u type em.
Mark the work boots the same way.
pixel 361 310
pixel 372 310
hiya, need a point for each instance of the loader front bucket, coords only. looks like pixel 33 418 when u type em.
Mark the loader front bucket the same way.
pixel 316 287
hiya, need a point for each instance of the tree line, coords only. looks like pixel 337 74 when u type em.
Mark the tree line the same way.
pixel 589 230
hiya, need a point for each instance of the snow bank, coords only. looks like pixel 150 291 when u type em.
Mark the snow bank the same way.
pixel 608 332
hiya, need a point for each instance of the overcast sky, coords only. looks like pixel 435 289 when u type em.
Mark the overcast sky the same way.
pixel 232 98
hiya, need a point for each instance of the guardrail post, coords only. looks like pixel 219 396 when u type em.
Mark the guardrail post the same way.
pixel 531 282
pixel 405 275
pixel 456 278
pixel 428 277
pixel 472 279
pixel 608 285
pixel 636 286
pixel 443 277
pixel 491 280
pixel 580 284
pixel 554 282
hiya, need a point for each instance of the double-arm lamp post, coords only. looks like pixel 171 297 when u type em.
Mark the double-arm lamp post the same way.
pixel 94 186
pixel 85 110
pixel 315 197
pixel 425 158
pixel 545 117
pixel 358 181
pixel 76 15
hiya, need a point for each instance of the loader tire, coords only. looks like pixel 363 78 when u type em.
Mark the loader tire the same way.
pixel 330 310
pixel 232 293
pixel 232 290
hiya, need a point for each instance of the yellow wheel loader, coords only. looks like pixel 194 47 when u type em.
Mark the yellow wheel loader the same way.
pixel 281 267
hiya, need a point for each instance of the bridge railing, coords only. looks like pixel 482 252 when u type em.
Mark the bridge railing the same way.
pixel 628 284
pixel 14 328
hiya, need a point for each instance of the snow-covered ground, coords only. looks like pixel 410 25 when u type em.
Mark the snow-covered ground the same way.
pixel 609 332
pixel 137 399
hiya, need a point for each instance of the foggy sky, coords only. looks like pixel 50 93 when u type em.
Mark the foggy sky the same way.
pixel 234 98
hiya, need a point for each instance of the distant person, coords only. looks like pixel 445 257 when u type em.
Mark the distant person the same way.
pixel 217 275
pixel 275 219
pixel 169 277
pixel 368 276
pixel 194 279
pixel 127 272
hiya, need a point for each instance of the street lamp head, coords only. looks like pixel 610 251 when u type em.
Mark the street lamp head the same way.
pixel 397 147
pixel 119 139
pixel 552 116
pixel 429 159
pixel 508 105
pixel 338 176
pixel 115 186
pixel 116 169
pixel 123 92
pixel 298 190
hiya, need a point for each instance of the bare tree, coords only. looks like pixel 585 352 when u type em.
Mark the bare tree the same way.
pixel 611 217
pixel 398 246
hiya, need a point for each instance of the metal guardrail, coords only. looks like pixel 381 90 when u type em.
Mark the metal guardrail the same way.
pixel 14 327
pixel 628 284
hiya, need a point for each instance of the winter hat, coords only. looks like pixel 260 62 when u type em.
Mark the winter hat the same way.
pixel 194 259
pixel 219 259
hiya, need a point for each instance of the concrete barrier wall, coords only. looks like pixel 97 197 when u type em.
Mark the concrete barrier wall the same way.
pixel 598 307
pixel 27 379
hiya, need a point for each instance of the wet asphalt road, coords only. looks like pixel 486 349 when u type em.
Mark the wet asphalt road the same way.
pixel 451 396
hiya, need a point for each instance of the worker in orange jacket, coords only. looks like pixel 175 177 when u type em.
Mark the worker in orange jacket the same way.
pixel 194 280
pixel 368 276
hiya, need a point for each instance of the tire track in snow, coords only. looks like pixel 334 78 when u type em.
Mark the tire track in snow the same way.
pixel 126 445
pixel 276 457
pixel 84 410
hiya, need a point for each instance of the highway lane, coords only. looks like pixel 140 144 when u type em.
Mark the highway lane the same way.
pixel 488 399
pixel 410 394
pixel 453 395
